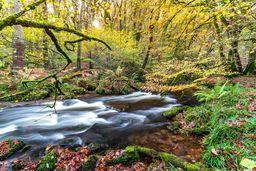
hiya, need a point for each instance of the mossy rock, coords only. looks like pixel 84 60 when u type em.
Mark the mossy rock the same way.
pixel 127 158
pixel 90 164
pixel 173 111
pixel 171 159
pixel 9 147
pixel 132 154
pixel 48 162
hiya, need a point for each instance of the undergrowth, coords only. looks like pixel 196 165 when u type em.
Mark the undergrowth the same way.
pixel 228 111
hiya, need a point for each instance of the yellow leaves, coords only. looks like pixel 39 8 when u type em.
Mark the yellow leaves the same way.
pixel 248 163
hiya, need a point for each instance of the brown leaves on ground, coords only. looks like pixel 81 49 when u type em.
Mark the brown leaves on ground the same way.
pixel 28 165
pixel 252 106
pixel 71 160
pixel 102 163
pixel 238 123
pixel 5 146
pixel 245 81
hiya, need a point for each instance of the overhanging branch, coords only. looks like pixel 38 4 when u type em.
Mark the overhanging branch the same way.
pixel 29 23
pixel 58 47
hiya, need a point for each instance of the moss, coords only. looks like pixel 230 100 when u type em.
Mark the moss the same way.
pixel 35 95
pixel 48 162
pixel 199 131
pixel 13 147
pixel 173 111
pixel 26 95
pixel 133 154
pixel 177 162
pixel 90 164
pixel 127 158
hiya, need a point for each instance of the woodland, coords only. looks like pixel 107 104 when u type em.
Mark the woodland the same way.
pixel 201 54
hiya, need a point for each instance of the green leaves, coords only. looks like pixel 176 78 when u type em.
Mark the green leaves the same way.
pixel 216 93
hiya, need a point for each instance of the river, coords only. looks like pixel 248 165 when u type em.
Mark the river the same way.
pixel 114 121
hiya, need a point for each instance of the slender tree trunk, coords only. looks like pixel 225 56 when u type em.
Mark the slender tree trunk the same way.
pixel 220 40
pixel 151 30
pixel 18 42
pixel 236 56
pixel 80 27
pixel 251 66
pixel 90 17
pixel 45 41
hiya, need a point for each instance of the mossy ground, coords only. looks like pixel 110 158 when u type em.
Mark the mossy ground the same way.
pixel 174 111
pixel 134 154
pixel 131 158
pixel 227 117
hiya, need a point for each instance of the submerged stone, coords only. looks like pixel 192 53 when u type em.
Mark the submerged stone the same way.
pixel 72 142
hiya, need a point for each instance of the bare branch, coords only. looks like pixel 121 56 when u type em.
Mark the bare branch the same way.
pixel 72 42
pixel 58 47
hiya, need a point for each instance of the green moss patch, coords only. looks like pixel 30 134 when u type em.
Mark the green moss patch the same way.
pixel 133 154
pixel 90 164
pixel 174 111
pixel 48 162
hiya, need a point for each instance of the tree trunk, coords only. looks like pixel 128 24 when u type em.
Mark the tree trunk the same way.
pixel 45 41
pixel 220 40
pixel 80 27
pixel 146 59
pixel 18 42
pixel 251 66
pixel 236 56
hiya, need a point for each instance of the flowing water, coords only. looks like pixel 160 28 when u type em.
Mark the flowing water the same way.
pixel 110 120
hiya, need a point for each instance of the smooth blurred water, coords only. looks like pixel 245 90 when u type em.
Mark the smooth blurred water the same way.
pixel 107 119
